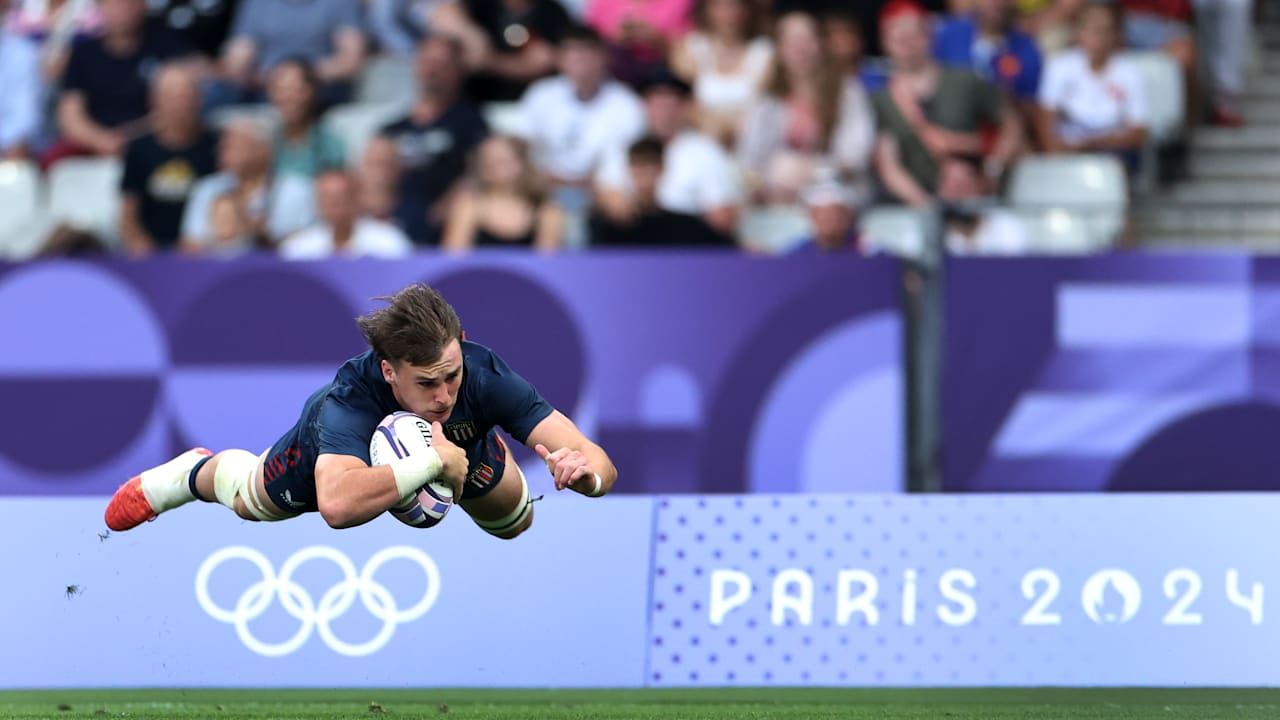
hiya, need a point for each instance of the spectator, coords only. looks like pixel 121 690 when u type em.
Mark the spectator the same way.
pixel 53 25
pixel 378 179
pixel 699 178
pixel 19 93
pixel 161 168
pixel 103 103
pixel 433 141
pixel 832 213
pixel 204 23
pixel 866 12
pixel 397 26
pixel 343 230
pixel 570 121
pixel 931 117
pixel 809 119
pixel 993 231
pixel 986 42
pixel 1092 97
pixel 275 204
pixel 1163 25
pixel 305 146
pixel 327 33
pixel 509 43
pixel 726 59
pixel 1226 43
pixel 842 33
pixel 640 33
pixel 650 225
pixel 229 227
pixel 1050 22
pixel 506 204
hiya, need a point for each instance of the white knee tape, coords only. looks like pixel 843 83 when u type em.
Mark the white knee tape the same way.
pixel 502 526
pixel 234 478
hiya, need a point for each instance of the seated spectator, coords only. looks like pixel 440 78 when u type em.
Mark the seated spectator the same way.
pixel 397 26
pixel 726 59
pixel 277 205
pixel 986 42
pixel 1226 42
pixel 640 33
pixel 103 104
pixel 305 146
pixel 931 117
pixel 204 23
pixel 509 43
pixel 161 168
pixel 54 25
pixel 19 93
pixel 229 228
pixel 1092 98
pixel 378 180
pixel 1051 22
pixel 842 33
pixel 433 141
pixel 833 214
pixel 650 225
pixel 505 205
pixel 343 230
pixel 1163 25
pixel 699 178
pixel 809 119
pixel 327 33
pixel 570 121
pixel 866 12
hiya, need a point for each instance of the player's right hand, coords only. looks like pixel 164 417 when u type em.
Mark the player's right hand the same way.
pixel 452 458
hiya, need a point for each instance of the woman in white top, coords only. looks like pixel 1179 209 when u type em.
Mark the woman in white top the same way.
pixel 725 60
pixel 811 122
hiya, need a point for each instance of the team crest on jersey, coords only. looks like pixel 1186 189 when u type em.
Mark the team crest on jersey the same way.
pixel 481 477
pixel 461 431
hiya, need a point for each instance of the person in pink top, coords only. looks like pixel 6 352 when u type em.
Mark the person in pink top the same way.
pixel 642 32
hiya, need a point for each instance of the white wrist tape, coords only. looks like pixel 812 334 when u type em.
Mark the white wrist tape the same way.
pixel 415 471
pixel 598 490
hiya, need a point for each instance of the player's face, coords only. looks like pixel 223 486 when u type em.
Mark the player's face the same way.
pixel 429 391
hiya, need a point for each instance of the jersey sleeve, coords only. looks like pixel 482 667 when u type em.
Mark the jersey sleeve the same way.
pixel 344 427
pixel 511 401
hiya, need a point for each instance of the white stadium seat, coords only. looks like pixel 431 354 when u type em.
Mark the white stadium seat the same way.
pixel 20 204
pixel 1164 92
pixel 894 229
pixel 220 117
pixel 85 193
pixel 503 118
pixel 773 229
pixel 387 79
pixel 1093 187
pixel 358 123
pixel 1057 232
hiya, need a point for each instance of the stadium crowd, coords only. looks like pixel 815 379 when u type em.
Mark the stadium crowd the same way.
pixel 613 123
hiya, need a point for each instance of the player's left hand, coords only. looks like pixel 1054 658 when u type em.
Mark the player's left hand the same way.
pixel 569 468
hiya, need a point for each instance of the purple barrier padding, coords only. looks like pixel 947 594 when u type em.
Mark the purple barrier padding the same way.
pixel 1112 373
pixel 699 373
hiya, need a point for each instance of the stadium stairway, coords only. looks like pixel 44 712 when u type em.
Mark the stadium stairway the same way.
pixel 1231 192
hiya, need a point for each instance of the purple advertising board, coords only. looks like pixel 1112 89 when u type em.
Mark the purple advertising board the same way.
pixel 1122 373
pixel 698 373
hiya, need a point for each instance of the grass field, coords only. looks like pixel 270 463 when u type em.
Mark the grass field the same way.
pixel 710 704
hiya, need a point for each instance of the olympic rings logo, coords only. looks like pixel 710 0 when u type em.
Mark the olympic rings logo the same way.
pixel 335 602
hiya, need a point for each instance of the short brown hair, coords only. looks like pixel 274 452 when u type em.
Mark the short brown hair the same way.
pixel 414 327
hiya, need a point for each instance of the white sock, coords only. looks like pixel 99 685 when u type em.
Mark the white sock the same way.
pixel 165 486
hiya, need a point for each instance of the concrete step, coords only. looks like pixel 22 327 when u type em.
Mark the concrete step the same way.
pixel 1227 165
pixel 1181 243
pixel 1250 138
pixel 1263 111
pixel 1162 218
pixel 1225 192
pixel 1266 85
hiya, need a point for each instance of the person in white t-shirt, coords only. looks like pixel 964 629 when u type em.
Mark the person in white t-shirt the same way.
pixel 572 119
pixel 698 178
pixel 1091 98
pixel 342 231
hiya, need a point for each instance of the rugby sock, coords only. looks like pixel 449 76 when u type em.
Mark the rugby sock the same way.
pixel 191 479
pixel 165 486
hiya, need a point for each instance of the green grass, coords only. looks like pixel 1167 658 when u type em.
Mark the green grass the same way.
pixel 701 704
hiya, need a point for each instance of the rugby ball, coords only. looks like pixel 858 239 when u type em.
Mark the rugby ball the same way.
pixel 401 435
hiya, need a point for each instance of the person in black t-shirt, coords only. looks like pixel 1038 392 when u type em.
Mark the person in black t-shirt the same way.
pixel 104 91
pixel 204 23
pixel 434 140
pixel 161 167
pixel 509 43
pixel 651 225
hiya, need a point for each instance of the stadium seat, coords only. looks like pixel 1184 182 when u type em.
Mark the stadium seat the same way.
pixel 19 208
pixel 1165 92
pixel 1057 232
pixel 893 229
pixel 387 79
pixel 1093 187
pixel 220 117
pixel 503 118
pixel 85 193
pixel 357 123
pixel 773 229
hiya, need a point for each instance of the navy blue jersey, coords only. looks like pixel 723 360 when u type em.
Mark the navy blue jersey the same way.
pixel 340 419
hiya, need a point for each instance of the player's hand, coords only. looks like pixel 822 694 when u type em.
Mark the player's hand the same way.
pixel 569 468
pixel 452 458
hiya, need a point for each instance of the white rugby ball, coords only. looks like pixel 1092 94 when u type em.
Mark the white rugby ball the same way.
pixel 400 435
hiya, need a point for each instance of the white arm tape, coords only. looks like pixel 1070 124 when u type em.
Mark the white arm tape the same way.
pixel 415 471
pixel 598 490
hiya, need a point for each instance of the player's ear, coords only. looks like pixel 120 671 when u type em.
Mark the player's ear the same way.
pixel 388 371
